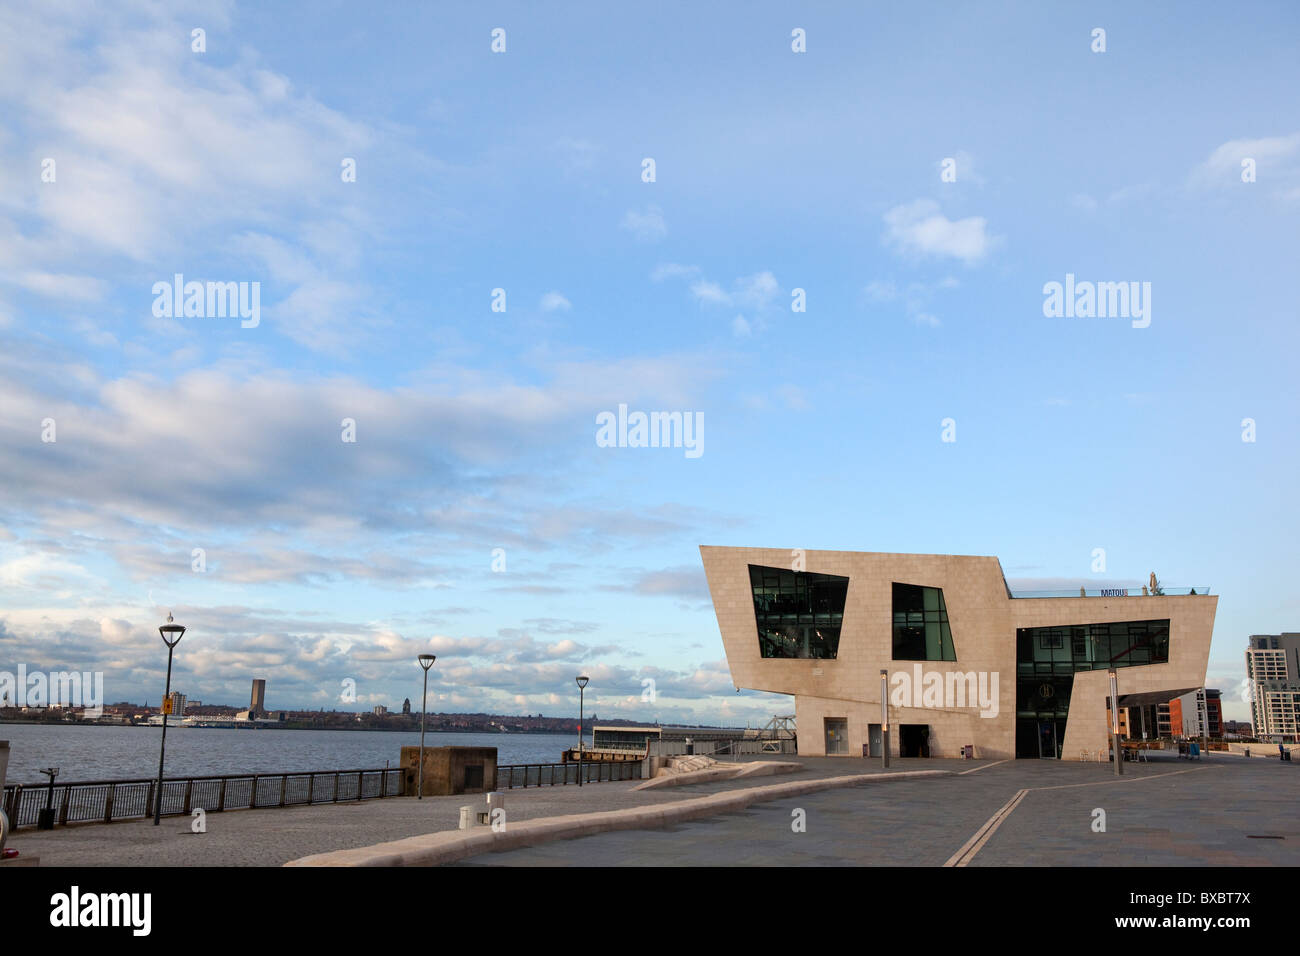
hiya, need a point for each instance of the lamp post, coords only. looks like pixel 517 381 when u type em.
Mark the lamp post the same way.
pixel 171 633
pixel 582 689
pixel 884 718
pixel 1114 723
pixel 426 661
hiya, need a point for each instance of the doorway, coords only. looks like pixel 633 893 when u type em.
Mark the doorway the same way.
pixel 914 740
pixel 1049 736
pixel 873 740
pixel 837 735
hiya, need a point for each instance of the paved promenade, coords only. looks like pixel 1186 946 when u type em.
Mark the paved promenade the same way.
pixel 1205 813
pixel 274 836
pixel 1225 812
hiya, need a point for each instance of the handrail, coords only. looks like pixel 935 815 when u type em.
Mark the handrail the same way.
pixel 593 771
pixel 80 801
pixel 216 776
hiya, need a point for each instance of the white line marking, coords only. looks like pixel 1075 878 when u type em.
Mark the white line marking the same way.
pixel 972 846
pixel 962 773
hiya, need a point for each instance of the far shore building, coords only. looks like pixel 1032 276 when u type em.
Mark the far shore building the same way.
pixel 966 661
pixel 257 703
pixel 1273 667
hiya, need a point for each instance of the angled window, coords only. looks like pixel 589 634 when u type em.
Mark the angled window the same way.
pixel 1083 647
pixel 921 631
pixel 799 614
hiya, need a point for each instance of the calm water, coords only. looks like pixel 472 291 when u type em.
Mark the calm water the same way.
pixel 104 753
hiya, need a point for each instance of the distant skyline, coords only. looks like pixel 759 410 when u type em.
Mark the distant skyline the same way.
pixel 452 269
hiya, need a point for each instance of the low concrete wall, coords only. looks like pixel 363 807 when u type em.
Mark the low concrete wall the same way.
pixel 1259 750
pixel 721 772
pixel 448 846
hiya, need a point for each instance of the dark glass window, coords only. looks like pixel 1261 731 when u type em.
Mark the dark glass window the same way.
pixel 799 614
pixel 1085 647
pixel 921 631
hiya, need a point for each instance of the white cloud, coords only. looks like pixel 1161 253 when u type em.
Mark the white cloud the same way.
pixel 646 226
pixel 1277 165
pixel 756 292
pixel 552 301
pixel 919 228
pixel 710 292
pixel 740 328
pixel 1224 163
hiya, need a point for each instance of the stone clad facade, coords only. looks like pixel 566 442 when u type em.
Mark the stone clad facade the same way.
pixel 983 618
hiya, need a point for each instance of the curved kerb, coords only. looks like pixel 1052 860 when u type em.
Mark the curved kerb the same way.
pixel 449 846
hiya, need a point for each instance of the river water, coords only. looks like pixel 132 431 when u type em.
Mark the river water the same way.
pixel 90 752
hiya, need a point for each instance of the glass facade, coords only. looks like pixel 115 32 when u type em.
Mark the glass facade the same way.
pixel 1085 647
pixel 1047 659
pixel 921 631
pixel 799 614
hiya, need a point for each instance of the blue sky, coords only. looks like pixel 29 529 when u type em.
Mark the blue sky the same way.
pixel 522 170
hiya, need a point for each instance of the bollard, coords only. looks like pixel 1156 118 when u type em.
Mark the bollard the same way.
pixel 466 817
pixel 496 800
pixel 45 818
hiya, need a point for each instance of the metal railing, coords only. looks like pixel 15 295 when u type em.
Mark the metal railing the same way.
pixel 722 748
pixel 510 776
pixel 1122 591
pixel 104 801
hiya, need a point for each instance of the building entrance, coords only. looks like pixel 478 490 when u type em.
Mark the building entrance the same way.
pixel 837 735
pixel 914 740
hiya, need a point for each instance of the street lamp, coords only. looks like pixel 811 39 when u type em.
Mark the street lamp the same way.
pixel 1114 722
pixel 171 634
pixel 582 688
pixel 426 661
pixel 884 718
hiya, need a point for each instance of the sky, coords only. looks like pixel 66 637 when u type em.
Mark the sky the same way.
pixel 914 178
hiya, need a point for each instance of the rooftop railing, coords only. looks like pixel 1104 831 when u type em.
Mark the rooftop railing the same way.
pixel 1107 592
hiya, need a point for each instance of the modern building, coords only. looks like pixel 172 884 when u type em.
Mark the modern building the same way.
pixel 1186 712
pixel 178 704
pixel 962 659
pixel 1273 667
pixel 257 703
pixel 1197 713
